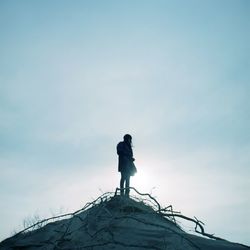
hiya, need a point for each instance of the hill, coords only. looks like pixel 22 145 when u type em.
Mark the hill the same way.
pixel 117 222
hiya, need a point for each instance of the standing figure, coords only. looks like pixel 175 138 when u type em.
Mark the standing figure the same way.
pixel 125 162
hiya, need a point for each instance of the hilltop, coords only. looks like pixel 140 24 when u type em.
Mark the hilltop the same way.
pixel 117 222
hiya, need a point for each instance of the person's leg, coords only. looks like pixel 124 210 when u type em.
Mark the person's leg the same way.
pixel 127 185
pixel 122 184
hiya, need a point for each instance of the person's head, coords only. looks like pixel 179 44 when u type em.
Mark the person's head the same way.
pixel 127 138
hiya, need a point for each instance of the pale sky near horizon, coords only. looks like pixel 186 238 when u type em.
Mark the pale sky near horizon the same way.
pixel 75 76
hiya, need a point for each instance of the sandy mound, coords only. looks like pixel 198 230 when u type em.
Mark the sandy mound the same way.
pixel 114 222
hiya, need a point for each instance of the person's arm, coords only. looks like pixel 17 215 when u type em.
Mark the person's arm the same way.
pixel 120 149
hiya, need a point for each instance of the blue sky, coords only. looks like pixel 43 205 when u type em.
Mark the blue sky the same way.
pixel 75 76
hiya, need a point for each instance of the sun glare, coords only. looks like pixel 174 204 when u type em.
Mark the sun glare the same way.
pixel 141 181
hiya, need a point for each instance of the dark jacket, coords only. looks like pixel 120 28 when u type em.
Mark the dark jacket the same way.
pixel 125 160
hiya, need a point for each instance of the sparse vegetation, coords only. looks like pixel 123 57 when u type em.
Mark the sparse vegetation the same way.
pixel 113 221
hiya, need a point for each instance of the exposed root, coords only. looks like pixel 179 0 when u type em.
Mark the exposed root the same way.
pixel 105 212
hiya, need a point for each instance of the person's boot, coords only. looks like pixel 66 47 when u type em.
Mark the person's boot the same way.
pixel 122 191
pixel 127 192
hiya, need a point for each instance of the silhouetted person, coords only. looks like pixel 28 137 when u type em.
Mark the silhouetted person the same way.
pixel 125 162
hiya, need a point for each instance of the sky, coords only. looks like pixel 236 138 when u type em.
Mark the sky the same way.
pixel 75 76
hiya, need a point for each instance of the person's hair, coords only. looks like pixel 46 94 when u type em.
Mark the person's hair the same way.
pixel 127 137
